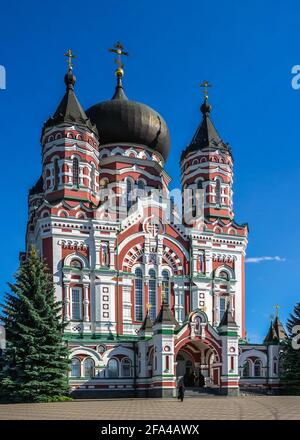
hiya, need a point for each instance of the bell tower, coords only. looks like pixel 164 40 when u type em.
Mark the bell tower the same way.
pixel 70 150
pixel 218 244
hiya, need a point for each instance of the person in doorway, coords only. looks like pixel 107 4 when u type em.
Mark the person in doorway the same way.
pixel 180 389
pixel 201 380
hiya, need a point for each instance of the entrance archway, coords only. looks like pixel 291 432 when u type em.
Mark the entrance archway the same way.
pixel 199 364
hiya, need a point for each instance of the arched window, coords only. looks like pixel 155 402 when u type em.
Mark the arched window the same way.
pixel 104 183
pixel 93 178
pixel 218 192
pixel 56 173
pixel 126 367
pixel 152 293
pixel 257 368
pixel 201 263
pixel 247 369
pixel 76 304
pixel 113 368
pixel 75 172
pixel 141 188
pixel 198 321
pixel 275 366
pixel 76 264
pixel 89 367
pixel 141 184
pixel 224 275
pixel 166 286
pixel 129 193
pixel 75 368
pixel 222 306
pixel 138 293
pixel 200 184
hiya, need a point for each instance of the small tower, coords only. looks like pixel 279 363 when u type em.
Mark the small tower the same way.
pixel 164 354
pixel 206 164
pixel 144 335
pixel 275 336
pixel 228 330
pixel 70 150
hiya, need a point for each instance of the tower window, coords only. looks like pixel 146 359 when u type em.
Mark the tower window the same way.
pixel 166 286
pixel 129 193
pixel 218 192
pixel 222 307
pixel 75 172
pixel 138 291
pixel 56 173
pixel 76 304
pixel 93 177
pixel 152 293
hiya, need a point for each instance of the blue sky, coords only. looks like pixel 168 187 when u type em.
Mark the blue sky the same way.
pixel 245 48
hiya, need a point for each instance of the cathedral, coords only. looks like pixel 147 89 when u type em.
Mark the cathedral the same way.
pixel 151 289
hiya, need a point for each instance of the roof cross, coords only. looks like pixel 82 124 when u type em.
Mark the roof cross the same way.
pixel 204 86
pixel 70 56
pixel 118 49
pixel 276 308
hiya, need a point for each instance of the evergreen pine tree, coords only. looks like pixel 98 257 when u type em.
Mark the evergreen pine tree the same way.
pixel 35 360
pixel 290 357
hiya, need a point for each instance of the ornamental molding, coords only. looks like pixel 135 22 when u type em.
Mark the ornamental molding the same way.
pixel 224 258
pixel 73 244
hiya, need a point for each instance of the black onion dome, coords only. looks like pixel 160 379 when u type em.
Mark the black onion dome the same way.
pixel 121 120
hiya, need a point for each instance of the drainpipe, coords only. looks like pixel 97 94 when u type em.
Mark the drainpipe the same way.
pixel 191 273
pixel 134 368
pixel 117 284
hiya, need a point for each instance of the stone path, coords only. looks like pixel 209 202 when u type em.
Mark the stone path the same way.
pixel 202 408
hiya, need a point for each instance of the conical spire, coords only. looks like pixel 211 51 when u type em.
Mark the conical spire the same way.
pixel 69 108
pixel 227 319
pixel 206 134
pixel 147 323
pixel 165 316
pixel 276 332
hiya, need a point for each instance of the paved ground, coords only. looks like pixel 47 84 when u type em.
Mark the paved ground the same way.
pixel 200 408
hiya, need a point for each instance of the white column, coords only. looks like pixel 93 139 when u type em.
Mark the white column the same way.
pixel 86 316
pixel 67 301
pixel 97 254
pixel 111 255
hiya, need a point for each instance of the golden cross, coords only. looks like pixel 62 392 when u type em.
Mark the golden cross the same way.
pixel 148 307
pixel 118 49
pixel 276 308
pixel 205 84
pixel 70 56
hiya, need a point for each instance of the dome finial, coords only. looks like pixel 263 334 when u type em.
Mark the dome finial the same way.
pixel 70 79
pixel 118 49
pixel 205 107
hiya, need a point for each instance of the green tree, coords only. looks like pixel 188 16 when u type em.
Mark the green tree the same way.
pixel 290 356
pixel 35 362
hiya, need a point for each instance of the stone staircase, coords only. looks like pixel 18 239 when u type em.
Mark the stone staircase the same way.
pixel 199 392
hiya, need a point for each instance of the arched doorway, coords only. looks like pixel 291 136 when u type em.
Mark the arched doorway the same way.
pixel 199 365
pixel 185 368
